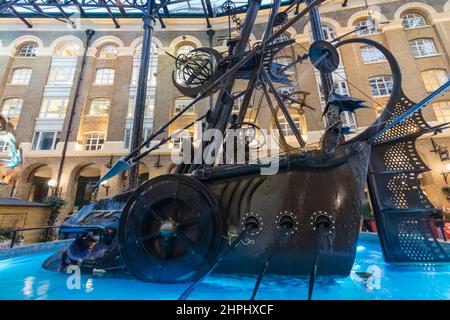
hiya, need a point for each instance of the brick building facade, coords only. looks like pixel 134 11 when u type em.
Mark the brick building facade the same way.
pixel 39 69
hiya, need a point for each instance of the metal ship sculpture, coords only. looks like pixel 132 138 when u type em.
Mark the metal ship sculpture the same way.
pixel 229 218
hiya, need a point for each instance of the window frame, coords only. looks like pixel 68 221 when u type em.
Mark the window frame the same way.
pixel 415 48
pixel 178 136
pixel 367 31
pixel 437 107
pixel 329 30
pixel 102 51
pixel 8 113
pixel 379 90
pixel 409 27
pixel 429 86
pixel 56 71
pixel 96 99
pixel 36 142
pixel 104 78
pixel 177 109
pixel 29 53
pixel 97 145
pixel 372 52
pixel 43 112
pixel 23 79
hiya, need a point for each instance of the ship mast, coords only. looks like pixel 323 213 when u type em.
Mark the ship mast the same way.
pixel 325 77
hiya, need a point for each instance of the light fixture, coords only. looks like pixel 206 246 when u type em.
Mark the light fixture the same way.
pixel 52 183
pixel 106 186
pixel 446 172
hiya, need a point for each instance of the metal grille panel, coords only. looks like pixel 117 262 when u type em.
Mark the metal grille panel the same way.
pixel 402 210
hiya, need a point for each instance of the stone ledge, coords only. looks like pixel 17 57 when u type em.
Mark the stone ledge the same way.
pixel 33 248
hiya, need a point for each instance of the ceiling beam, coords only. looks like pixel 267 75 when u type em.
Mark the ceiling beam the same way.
pixel 19 16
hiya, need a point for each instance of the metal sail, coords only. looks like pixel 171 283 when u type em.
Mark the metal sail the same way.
pixel 403 213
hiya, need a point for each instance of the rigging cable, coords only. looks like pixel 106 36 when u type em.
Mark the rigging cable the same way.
pixel 186 293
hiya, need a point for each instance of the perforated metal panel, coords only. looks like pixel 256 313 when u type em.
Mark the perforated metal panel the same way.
pixel 413 124
pixel 402 210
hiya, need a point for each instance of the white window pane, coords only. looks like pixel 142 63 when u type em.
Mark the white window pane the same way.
pixel 61 75
pixel 442 110
pixel 108 52
pixel 12 106
pixel 99 106
pixel 422 48
pixel 181 103
pixel 434 78
pixel 28 50
pixel 105 76
pixel 21 76
pixel 53 107
pixel 369 25
pixel 45 140
pixel 94 141
pixel 178 138
pixel 371 55
pixel 413 20
pixel 151 83
pixel 381 86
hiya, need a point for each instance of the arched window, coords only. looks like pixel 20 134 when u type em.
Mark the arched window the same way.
pixel 28 50
pixel 434 78
pixel 414 20
pixel 99 106
pixel 369 26
pixel 185 48
pixel 328 32
pixel 108 51
pixel 67 49
pixel 12 106
pixel 381 85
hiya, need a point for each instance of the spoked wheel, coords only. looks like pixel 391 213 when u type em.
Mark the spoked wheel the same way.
pixel 171 230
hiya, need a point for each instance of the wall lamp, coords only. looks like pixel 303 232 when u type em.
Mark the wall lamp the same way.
pixel 52 183
pixel 446 172
pixel 105 185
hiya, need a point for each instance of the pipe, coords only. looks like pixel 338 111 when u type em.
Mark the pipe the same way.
pixel 285 224
pixel 141 94
pixel 255 77
pixel 325 77
pixel 249 226
pixel 89 34
pixel 323 225
pixel 223 106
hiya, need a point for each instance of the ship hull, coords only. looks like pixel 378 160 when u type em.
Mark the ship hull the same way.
pixel 306 186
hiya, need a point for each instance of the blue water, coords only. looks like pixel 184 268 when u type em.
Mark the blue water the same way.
pixel 23 278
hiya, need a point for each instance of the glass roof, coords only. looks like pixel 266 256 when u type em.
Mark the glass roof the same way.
pixel 119 8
